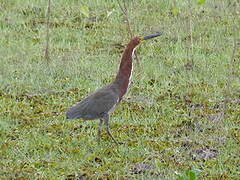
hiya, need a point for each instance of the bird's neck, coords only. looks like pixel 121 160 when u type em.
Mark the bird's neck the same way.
pixel 124 75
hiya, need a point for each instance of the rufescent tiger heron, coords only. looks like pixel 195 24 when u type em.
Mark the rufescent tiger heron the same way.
pixel 103 102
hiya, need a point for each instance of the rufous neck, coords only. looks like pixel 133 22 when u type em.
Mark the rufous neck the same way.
pixel 123 78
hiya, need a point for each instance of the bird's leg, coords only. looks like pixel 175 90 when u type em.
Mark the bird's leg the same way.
pixel 100 130
pixel 106 119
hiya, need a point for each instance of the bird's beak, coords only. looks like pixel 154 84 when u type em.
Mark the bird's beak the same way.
pixel 150 36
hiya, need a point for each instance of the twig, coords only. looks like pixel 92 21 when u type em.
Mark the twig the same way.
pixel 125 12
pixel 190 31
pixel 47 31
pixel 231 70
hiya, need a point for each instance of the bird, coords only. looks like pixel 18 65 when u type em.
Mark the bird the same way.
pixel 102 103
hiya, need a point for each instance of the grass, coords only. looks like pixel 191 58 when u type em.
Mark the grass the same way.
pixel 172 120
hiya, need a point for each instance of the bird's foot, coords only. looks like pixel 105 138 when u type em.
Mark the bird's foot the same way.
pixel 120 143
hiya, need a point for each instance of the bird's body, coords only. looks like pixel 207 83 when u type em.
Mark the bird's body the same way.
pixel 92 106
pixel 102 103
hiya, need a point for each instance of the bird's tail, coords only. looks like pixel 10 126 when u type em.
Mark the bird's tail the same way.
pixel 71 114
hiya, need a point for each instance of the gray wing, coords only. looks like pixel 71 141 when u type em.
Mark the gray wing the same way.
pixel 94 106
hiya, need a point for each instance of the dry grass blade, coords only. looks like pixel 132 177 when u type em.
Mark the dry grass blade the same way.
pixel 47 31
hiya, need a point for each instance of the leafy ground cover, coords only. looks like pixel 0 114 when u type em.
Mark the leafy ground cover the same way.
pixel 182 112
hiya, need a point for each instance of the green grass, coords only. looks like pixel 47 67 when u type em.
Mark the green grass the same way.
pixel 171 120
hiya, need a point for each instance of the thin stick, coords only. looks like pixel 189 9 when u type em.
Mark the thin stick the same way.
pixel 125 12
pixel 130 32
pixel 231 70
pixel 190 30
pixel 47 31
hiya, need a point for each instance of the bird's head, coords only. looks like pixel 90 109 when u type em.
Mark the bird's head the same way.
pixel 138 40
